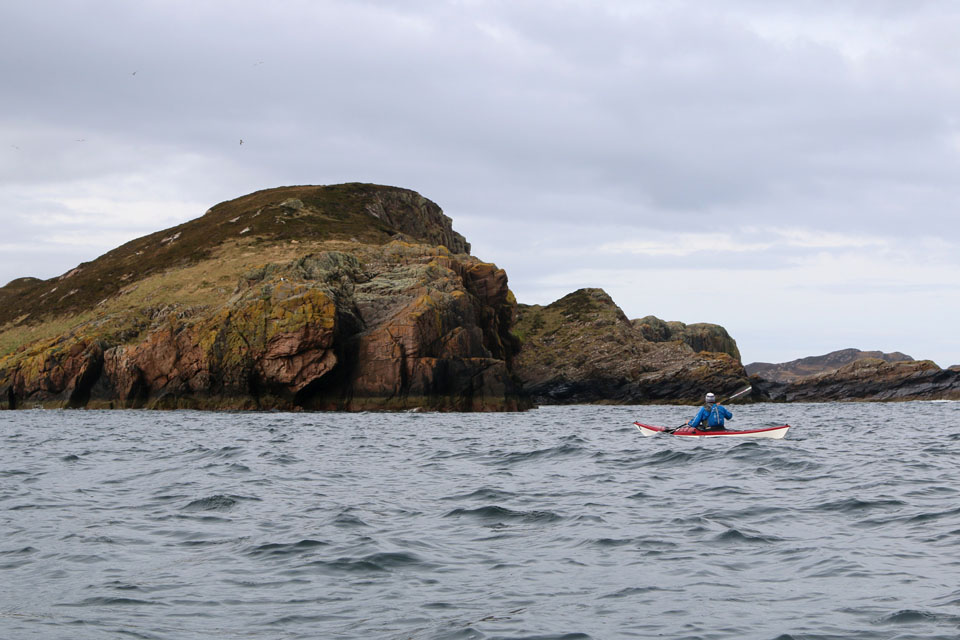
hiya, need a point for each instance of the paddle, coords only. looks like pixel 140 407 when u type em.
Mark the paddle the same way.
pixel 727 399
pixel 737 394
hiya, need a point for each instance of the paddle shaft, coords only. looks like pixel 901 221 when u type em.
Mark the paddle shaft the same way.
pixel 736 395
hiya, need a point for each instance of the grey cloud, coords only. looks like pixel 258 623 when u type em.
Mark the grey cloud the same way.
pixel 568 121
pixel 701 114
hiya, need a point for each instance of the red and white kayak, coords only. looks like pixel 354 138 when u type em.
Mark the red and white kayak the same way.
pixel 693 432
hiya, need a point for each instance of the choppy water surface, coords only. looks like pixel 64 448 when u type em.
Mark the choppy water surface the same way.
pixel 559 523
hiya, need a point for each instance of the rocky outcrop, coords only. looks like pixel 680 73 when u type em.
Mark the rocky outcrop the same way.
pixel 582 348
pixel 868 379
pixel 812 365
pixel 372 304
pixel 701 336
pixel 852 374
pixel 410 213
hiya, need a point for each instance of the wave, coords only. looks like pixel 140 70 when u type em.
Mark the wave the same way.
pixel 634 591
pixel 275 549
pixel 933 515
pixel 911 519
pixel 736 535
pixel 562 450
pixel 201 452
pixel 105 601
pixel 610 543
pixel 281 458
pixel 219 502
pixel 913 616
pixel 857 505
pixel 346 518
pixel 17 558
pixel 502 514
pixel 466 633
pixel 671 457
pixel 381 562
pixel 483 493
pixel 19 552
pixel 301 619
pixel 835 567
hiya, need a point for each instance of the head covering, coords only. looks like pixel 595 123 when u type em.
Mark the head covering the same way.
pixel 711 398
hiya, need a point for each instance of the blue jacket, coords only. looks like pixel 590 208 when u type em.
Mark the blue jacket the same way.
pixel 713 414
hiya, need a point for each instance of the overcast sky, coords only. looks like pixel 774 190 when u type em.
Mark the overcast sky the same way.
pixel 786 169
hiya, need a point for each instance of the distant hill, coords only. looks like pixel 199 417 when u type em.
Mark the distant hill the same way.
pixel 812 365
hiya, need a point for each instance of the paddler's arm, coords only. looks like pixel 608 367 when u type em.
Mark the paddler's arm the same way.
pixel 727 414
pixel 696 420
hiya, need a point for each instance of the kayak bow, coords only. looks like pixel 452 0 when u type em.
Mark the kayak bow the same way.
pixel 693 432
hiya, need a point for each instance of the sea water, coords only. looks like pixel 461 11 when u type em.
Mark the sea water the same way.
pixel 562 522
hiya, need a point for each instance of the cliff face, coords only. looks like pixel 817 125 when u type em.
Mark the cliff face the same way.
pixel 812 365
pixel 349 297
pixel 868 379
pixel 582 348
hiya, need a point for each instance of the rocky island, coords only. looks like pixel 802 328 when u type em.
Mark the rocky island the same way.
pixel 583 348
pixel 851 374
pixel 349 297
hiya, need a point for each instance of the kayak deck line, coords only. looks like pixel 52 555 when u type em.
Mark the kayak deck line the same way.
pixel 692 432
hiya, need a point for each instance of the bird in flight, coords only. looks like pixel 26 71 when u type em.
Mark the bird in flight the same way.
pixel 134 73
pixel 241 141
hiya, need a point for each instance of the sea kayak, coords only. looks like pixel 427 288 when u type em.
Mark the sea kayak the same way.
pixel 693 432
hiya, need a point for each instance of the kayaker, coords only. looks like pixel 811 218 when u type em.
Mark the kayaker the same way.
pixel 711 415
